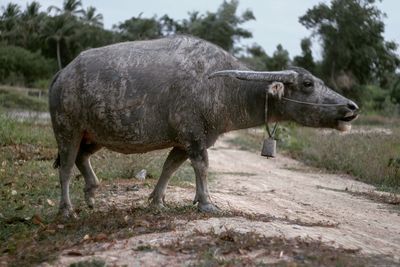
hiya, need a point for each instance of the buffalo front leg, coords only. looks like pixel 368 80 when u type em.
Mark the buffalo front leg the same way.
pixel 84 166
pixel 175 159
pixel 199 159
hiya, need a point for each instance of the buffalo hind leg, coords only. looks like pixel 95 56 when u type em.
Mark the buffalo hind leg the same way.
pixel 83 163
pixel 199 158
pixel 68 151
pixel 175 159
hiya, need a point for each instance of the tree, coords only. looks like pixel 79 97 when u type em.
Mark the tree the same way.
pixel 59 29
pixel 138 28
pixel 280 59
pixel 22 67
pixel 90 17
pixel 30 27
pixel 306 59
pixel 259 60
pixel 71 8
pixel 351 32
pixel 9 23
pixel 222 28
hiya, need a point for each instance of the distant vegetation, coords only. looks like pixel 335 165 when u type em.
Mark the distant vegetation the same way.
pixel 10 98
pixel 370 154
pixel 356 59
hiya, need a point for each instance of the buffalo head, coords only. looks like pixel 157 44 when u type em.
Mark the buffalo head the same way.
pixel 302 97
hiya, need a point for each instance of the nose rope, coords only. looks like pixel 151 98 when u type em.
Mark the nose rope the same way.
pixel 313 104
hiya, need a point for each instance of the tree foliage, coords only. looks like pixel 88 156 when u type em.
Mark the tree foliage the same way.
pixel 19 66
pixel 258 58
pixel 356 59
pixel 222 27
pixel 351 33
pixel 138 28
pixel 306 59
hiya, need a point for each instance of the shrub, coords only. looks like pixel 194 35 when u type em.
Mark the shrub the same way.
pixel 19 66
pixel 10 99
pixel 371 156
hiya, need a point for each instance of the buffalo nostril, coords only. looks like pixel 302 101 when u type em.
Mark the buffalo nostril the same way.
pixel 352 106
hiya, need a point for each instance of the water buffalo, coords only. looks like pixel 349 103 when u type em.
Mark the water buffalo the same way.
pixel 140 96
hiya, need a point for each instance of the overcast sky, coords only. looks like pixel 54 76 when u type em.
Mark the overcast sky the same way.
pixel 276 20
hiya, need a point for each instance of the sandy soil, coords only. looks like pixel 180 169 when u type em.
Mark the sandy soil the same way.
pixel 300 200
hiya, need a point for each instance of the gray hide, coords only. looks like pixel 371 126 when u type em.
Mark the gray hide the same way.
pixel 141 96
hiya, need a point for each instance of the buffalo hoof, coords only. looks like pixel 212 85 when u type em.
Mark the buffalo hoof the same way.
pixel 90 202
pixel 67 214
pixel 89 197
pixel 158 205
pixel 156 201
pixel 207 208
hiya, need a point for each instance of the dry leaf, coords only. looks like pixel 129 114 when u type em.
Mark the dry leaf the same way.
pixel 50 231
pixel 143 223
pixel 36 219
pixel 100 237
pixel 50 202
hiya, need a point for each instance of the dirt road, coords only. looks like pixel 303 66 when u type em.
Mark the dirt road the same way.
pixel 277 197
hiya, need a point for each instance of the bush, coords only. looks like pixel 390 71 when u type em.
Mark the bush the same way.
pixel 42 84
pixel 19 66
pixel 10 99
pixel 371 156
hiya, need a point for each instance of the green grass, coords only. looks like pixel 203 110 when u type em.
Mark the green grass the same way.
pixel 29 186
pixel 28 132
pixel 12 99
pixel 371 157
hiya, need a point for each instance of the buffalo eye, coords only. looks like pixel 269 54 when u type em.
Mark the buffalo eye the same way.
pixel 307 84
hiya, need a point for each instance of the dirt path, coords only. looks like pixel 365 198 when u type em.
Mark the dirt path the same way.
pixel 296 200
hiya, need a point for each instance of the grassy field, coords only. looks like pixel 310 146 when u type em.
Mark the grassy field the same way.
pixel 10 98
pixel 370 152
pixel 29 188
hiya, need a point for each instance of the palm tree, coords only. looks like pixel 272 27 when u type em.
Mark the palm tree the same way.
pixel 11 11
pixel 90 17
pixel 30 25
pixel 59 29
pixel 9 16
pixel 69 8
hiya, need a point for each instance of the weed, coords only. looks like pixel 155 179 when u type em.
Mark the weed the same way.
pixel 12 99
pixel 372 156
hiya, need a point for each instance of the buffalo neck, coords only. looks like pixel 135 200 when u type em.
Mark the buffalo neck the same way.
pixel 245 105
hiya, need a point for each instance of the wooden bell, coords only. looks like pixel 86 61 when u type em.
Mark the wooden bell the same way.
pixel 269 148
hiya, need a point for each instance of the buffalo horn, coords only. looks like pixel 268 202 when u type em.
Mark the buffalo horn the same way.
pixel 285 76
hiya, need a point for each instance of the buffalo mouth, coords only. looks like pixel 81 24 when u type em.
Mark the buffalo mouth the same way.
pixel 344 124
pixel 349 118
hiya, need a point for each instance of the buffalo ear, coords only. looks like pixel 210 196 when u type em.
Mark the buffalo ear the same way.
pixel 276 89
